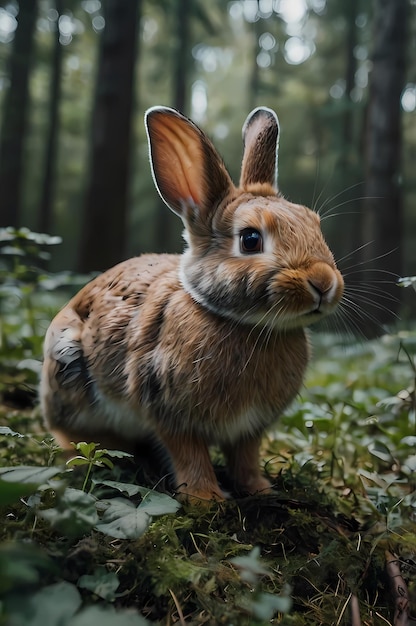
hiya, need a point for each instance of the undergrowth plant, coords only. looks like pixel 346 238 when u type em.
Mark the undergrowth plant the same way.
pixel 100 539
pixel 29 296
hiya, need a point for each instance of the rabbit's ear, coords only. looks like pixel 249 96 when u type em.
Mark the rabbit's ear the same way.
pixel 261 143
pixel 187 170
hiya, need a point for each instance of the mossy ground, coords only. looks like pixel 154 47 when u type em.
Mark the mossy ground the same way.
pixel 343 463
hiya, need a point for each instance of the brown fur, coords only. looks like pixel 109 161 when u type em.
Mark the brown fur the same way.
pixel 200 348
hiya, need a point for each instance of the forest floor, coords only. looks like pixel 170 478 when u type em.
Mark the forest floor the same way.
pixel 102 540
pixel 335 544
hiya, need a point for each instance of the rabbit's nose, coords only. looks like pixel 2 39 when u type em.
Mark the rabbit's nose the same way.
pixel 324 286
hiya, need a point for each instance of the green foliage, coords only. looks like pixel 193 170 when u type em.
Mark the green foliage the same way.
pixel 58 605
pixel 29 297
pixel 90 456
pixel 342 461
pixel 91 540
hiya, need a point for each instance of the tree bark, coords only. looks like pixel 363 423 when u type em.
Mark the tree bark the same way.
pixel 182 57
pixel 166 231
pixel 382 221
pixel 105 213
pixel 254 77
pixel 45 208
pixel 351 10
pixel 16 106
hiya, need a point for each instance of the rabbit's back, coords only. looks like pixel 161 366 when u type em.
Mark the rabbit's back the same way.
pixel 89 348
pixel 135 353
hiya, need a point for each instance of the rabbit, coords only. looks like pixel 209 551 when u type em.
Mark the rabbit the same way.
pixel 204 347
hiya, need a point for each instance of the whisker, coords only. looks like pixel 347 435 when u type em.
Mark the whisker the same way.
pixel 350 254
pixel 263 329
pixel 315 185
pixel 360 313
pixel 377 305
pixel 376 286
pixel 375 270
pixel 340 204
pixel 341 317
pixel 331 198
pixel 388 298
pixel 329 215
pixel 328 180
pixel 367 261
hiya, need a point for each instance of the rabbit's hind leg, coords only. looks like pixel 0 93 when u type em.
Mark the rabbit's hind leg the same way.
pixel 67 392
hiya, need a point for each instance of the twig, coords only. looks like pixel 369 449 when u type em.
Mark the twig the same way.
pixel 355 611
pixel 178 608
pixel 399 590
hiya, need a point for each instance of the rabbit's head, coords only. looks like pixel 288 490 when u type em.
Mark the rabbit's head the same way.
pixel 251 255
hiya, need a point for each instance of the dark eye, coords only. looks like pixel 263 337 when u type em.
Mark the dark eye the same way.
pixel 251 241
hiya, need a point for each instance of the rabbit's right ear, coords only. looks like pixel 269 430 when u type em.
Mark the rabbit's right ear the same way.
pixel 261 144
pixel 187 170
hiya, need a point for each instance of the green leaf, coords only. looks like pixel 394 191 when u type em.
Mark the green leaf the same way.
pixel 77 461
pixel 10 492
pixel 22 564
pixel 128 488
pixel 156 503
pixel 53 605
pixel 86 449
pixel 103 462
pixel 119 454
pixel 122 520
pixel 75 513
pixel 265 605
pixel 104 584
pixel 5 430
pixel 108 616
pixel 27 474
pixel 381 451
pixel 250 566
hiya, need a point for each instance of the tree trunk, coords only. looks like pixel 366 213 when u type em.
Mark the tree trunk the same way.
pixel 254 77
pixel 166 231
pixel 382 207
pixel 351 10
pixel 45 208
pixel 16 106
pixel 105 212
pixel 182 56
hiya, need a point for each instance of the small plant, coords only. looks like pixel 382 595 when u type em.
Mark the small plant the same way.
pixel 90 455
pixel 29 298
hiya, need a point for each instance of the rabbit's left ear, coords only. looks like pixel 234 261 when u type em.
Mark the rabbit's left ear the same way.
pixel 261 143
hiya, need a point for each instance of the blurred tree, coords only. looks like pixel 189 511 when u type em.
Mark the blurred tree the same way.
pixel 254 80
pixel 49 174
pixel 189 16
pixel 14 120
pixel 105 211
pixel 382 220
pixel 183 56
pixel 351 12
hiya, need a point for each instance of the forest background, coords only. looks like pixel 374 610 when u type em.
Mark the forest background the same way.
pixel 76 77
pixel 335 544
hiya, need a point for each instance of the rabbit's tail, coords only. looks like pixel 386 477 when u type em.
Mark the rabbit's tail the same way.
pixel 66 385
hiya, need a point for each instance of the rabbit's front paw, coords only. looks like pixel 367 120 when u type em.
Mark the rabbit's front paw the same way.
pixel 257 485
pixel 200 497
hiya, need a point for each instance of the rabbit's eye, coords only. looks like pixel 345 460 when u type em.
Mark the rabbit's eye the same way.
pixel 251 241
